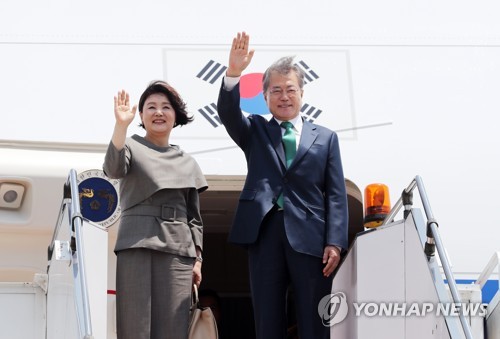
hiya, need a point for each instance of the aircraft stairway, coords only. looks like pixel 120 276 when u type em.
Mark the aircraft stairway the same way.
pixel 69 301
pixel 77 273
pixel 391 284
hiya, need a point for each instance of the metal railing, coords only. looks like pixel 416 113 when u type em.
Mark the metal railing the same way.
pixel 71 200
pixel 433 239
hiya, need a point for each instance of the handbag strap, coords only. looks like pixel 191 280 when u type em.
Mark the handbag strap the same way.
pixel 194 297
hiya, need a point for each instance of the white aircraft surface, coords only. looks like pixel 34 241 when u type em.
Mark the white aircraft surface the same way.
pixel 411 88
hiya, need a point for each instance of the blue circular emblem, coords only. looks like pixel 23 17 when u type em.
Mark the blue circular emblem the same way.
pixel 98 197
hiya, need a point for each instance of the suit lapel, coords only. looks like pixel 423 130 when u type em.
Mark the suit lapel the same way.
pixel 307 138
pixel 274 132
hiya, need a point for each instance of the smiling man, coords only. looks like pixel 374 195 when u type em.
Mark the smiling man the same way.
pixel 292 212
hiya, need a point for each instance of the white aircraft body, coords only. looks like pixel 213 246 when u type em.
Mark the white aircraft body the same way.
pixel 410 87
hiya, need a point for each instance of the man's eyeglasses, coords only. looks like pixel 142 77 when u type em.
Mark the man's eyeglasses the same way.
pixel 278 92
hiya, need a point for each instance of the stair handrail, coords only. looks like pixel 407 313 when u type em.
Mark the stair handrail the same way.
pixel 433 239
pixel 76 224
pixel 71 199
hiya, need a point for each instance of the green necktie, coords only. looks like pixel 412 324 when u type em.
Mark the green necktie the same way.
pixel 289 143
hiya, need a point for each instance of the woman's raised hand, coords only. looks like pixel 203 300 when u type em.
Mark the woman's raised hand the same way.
pixel 124 114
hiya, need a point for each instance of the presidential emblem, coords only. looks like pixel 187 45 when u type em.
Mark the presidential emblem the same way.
pixel 98 194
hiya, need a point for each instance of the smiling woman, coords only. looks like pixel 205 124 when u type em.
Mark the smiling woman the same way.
pixel 159 117
pixel 161 108
pixel 161 221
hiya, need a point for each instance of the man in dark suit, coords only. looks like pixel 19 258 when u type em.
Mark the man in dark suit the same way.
pixel 292 213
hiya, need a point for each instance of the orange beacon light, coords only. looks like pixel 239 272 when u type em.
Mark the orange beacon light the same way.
pixel 377 204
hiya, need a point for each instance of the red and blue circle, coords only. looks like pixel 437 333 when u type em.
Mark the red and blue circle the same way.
pixel 251 94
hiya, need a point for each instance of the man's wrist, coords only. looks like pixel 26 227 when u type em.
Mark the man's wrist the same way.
pixel 230 82
pixel 338 248
pixel 232 74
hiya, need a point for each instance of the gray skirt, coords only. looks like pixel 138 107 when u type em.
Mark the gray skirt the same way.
pixel 153 294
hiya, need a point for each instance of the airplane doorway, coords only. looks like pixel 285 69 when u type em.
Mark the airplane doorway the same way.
pixel 225 266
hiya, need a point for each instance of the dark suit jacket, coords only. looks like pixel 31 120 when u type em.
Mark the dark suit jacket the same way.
pixel 315 200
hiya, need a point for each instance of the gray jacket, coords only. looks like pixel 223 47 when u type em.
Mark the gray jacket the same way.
pixel 159 199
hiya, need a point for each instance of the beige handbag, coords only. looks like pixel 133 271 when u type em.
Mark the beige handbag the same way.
pixel 202 324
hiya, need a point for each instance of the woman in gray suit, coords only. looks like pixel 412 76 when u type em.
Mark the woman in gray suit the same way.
pixel 160 237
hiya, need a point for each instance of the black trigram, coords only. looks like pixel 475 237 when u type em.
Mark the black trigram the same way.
pixel 309 74
pixel 310 112
pixel 211 72
pixel 210 113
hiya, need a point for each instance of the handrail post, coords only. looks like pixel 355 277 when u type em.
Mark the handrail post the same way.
pixel 397 206
pixel 407 200
pixel 76 223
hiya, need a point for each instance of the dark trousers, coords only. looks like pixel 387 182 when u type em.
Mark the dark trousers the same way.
pixel 273 266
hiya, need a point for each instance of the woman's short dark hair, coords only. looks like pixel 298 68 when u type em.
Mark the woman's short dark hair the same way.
pixel 162 87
